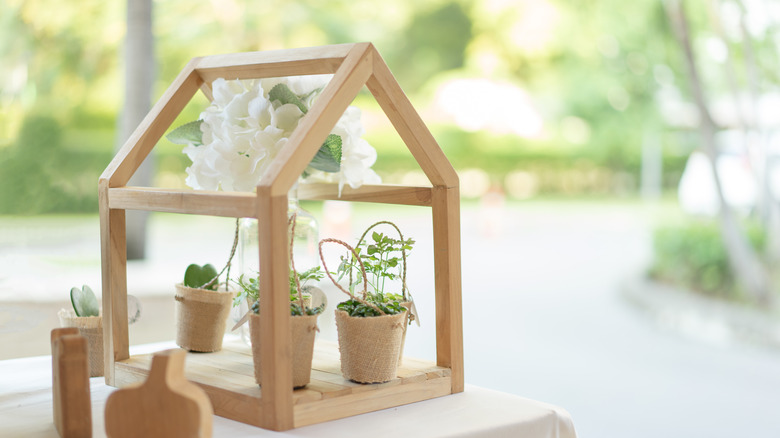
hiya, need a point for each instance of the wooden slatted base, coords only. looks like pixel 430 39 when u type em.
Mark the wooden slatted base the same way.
pixel 228 378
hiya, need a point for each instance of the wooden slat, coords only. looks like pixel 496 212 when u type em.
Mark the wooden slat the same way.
pixel 113 253
pixel 153 126
pixel 329 385
pixel 315 126
pixel 369 401
pixel 236 406
pixel 274 299
pixel 273 63
pixel 207 91
pixel 201 202
pixel 449 314
pixel 382 194
pixel 410 126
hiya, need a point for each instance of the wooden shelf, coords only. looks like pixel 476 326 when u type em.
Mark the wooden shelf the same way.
pixel 242 204
pixel 228 378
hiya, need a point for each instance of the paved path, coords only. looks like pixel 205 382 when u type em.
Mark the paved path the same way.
pixel 543 313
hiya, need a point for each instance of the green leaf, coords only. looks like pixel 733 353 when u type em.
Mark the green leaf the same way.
pixel 84 301
pixel 197 276
pixel 284 95
pixel 188 133
pixel 328 158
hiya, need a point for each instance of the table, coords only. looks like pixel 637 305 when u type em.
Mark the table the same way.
pixel 26 411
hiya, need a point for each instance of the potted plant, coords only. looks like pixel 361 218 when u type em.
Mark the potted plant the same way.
pixel 380 258
pixel 86 317
pixel 303 324
pixel 202 309
pixel 370 328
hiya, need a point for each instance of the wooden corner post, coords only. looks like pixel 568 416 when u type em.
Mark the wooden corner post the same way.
pixel 113 252
pixel 275 349
pixel 446 258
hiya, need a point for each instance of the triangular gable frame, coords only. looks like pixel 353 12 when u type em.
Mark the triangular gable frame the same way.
pixel 353 66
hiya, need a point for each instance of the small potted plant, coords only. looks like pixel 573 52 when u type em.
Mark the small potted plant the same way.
pixel 370 328
pixel 303 324
pixel 380 258
pixel 86 317
pixel 202 309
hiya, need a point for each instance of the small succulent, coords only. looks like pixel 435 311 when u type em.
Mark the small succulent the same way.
pixel 201 277
pixel 84 301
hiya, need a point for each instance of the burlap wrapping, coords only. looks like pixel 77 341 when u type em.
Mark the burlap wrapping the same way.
pixel 91 327
pixel 201 316
pixel 370 346
pixel 303 328
pixel 408 306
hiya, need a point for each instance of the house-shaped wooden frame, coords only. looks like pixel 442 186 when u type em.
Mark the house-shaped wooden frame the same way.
pixel 277 406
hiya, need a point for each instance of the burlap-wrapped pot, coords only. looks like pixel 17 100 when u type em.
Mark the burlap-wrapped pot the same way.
pixel 91 327
pixel 370 346
pixel 303 328
pixel 408 306
pixel 404 288
pixel 201 316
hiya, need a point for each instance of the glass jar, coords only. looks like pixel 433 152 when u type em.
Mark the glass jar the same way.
pixel 305 251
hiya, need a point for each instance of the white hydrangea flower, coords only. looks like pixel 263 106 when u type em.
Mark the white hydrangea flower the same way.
pixel 243 132
pixel 357 155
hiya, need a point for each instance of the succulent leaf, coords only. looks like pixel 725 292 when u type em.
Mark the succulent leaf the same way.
pixel 197 276
pixel 84 301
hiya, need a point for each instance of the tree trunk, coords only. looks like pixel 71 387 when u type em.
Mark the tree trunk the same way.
pixel 139 77
pixel 745 263
pixel 763 161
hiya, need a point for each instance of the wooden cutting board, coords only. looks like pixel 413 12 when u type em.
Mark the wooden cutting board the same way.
pixel 165 405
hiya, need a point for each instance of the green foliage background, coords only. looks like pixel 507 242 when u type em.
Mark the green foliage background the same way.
pixel 693 255
pixel 599 63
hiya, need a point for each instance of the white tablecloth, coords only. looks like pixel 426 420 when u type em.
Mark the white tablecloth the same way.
pixel 26 411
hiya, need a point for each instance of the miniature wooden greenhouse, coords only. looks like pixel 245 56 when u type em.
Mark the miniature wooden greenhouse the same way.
pixel 224 375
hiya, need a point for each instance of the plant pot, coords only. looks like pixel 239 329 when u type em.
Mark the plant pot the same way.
pixel 91 327
pixel 370 346
pixel 302 328
pixel 408 306
pixel 201 316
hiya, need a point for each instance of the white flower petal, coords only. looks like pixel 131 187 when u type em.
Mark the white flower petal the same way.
pixel 286 117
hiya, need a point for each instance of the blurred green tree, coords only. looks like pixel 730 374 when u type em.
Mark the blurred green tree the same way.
pixel 604 75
